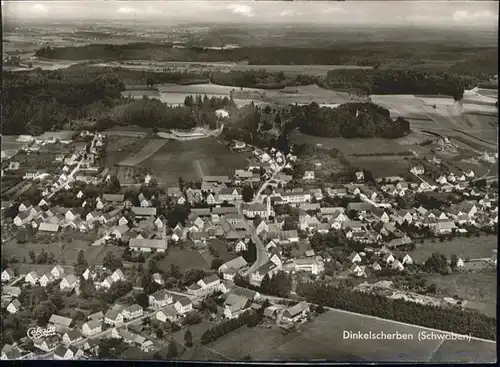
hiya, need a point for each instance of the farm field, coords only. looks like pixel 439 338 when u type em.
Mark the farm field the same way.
pixel 299 94
pixel 185 258
pixel 351 146
pixel 323 339
pixel 479 288
pixel 65 247
pixel 471 116
pixel 382 166
pixel 147 151
pixel 119 148
pixel 464 247
pixel 192 160
pixel 292 70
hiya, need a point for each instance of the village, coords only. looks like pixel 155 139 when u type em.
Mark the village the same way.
pixel 353 231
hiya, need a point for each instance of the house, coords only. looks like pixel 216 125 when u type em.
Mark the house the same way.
pixel 158 278
pixel 113 198
pixel 397 265
pixel 60 321
pixel 8 275
pixel 91 328
pixel 69 282
pixel 354 257
pixel 360 176
pixel 22 218
pixel 45 279
pixel 160 298
pixel 417 170
pixel 283 237
pixel 295 197
pixel 269 268
pixel 49 227
pixel 308 222
pixel 229 194
pixel 407 260
pixel 147 245
pixel 388 258
pixel 47 344
pixel 169 313
pixel 14 306
pixel 445 227
pixel 234 305
pixel 122 221
pixel 183 305
pixel 336 192
pixel 113 317
pixel 460 263
pixel 240 246
pixel 71 336
pixel 398 242
pixel 295 313
pixel 357 270
pixel 376 266
pixel 143 212
pixel 31 278
pixel 132 312
pixel 65 353
pixel 308 175
pixel 57 271
pixel 311 265
pixel 253 210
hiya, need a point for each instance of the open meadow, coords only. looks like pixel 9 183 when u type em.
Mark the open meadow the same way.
pixel 479 288
pixel 184 258
pixel 464 247
pixel 118 148
pixel 322 339
pixel 147 151
pixel 64 245
pixel 192 160
pixel 443 115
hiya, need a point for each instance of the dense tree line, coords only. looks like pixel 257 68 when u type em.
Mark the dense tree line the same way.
pixel 35 102
pixel 250 318
pixel 254 55
pixel 350 120
pixel 455 320
pixel 399 82
pixel 280 284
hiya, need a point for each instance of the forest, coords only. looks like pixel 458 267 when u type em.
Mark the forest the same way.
pixel 400 82
pixel 465 322
pixel 476 61
pixel 350 120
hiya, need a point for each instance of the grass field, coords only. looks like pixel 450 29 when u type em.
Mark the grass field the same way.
pixel 191 159
pixel 186 259
pixel 471 247
pixel 119 148
pixel 322 339
pixel 351 146
pixel 147 151
pixel 65 248
pixel 479 288
pixel 382 166
pixel 473 115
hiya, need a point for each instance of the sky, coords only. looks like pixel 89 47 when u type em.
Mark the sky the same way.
pixel 480 14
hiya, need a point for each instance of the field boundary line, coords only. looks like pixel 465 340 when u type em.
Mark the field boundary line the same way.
pixel 389 320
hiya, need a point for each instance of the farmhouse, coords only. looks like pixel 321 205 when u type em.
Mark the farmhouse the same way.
pixel 144 245
pixel 91 327
pixel 234 305
pixel 169 313
pixel 295 313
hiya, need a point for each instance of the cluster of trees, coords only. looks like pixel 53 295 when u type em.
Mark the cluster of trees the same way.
pixel 280 284
pixel 43 257
pixel 437 263
pixel 254 55
pixel 250 255
pixel 404 81
pixel 320 242
pixel 350 120
pixel 250 318
pixel 40 101
pixel 465 322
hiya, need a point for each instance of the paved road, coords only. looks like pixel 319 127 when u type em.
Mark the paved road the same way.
pixel 261 251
